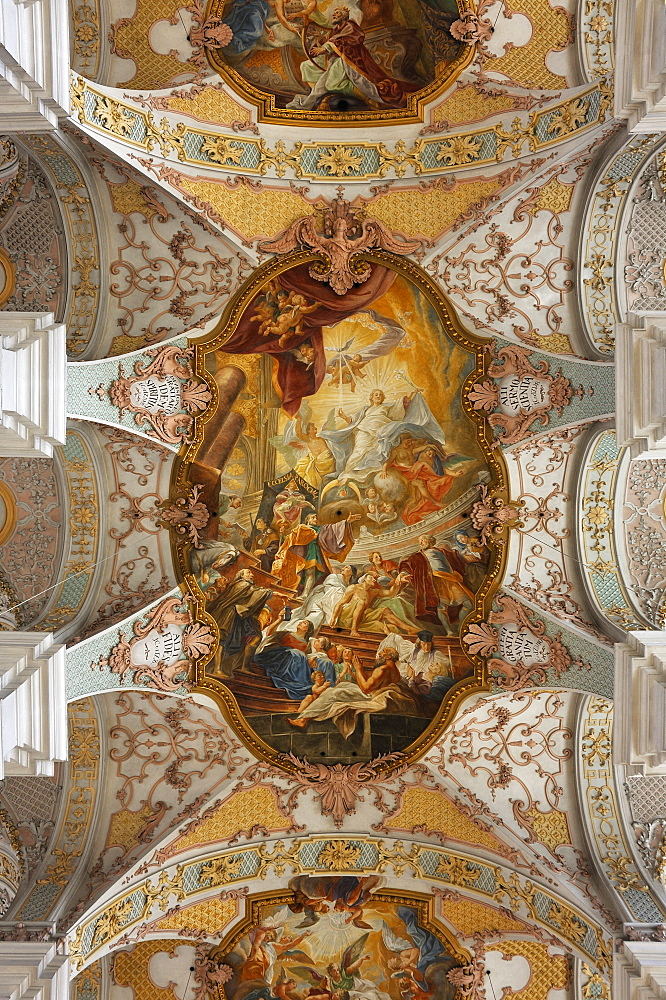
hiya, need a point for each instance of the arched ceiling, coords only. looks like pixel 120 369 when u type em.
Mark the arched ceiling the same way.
pixel 454 221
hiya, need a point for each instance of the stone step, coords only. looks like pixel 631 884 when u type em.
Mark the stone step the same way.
pixel 255 698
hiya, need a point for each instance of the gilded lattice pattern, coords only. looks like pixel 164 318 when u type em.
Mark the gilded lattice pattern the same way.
pixel 434 811
pixel 131 197
pixel 547 972
pixel 67 845
pixel 149 900
pixel 208 104
pixel 552 827
pixel 251 212
pixel 241 812
pixel 211 916
pixel 470 104
pixel 551 32
pixel 131 968
pixel 430 213
pixel 130 37
pixel 470 918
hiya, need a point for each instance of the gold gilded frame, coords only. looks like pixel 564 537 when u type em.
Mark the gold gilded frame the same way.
pixel 422 903
pixel 9 501
pixel 9 272
pixel 268 112
pixel 498 486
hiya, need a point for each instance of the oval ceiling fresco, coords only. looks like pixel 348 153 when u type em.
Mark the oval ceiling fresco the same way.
pixel 318 60
pixel 339 467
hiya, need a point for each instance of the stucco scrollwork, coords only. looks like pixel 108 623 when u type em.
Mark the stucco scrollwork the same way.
pixel 343 233
pixel 518 394
pixel 185 514
pixel 519 651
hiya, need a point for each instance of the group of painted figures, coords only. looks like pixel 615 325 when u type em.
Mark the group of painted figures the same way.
pixel 332 939
pixel 340 590
pixel 297 604
pixel 369 55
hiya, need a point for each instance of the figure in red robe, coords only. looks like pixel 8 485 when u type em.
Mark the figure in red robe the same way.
pixel 442 597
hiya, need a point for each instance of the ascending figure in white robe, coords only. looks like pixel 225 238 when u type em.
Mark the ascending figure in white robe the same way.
pixel 363 446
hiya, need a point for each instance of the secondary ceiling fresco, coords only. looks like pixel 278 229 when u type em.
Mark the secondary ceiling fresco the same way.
pixel 340 668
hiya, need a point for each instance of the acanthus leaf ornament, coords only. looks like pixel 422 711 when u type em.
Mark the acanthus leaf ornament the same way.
pixel 491 515
pixel 164 394
pixel 518 650
pixel 163 647
pixel 339 787
pixel 185 514
pixel 520 394
pixel 346 233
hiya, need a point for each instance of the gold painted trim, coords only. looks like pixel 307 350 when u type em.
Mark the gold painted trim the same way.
pixel 268 112
pixel 9 501
pixel 10 277
pixel 477 346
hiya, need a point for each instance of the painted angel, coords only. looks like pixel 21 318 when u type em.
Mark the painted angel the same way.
pixel 268 944
pixel 343 976
pixel 347 365
pixel 413 955
pixel 284 318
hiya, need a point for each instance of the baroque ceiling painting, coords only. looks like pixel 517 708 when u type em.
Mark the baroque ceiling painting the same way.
pixel 357 487
pixel 332 500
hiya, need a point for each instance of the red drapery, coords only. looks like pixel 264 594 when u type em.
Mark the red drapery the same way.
pixel 295 378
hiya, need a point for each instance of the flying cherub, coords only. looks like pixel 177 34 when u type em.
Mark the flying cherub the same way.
pixel 341 976
pixel 269 943
pixel 280 314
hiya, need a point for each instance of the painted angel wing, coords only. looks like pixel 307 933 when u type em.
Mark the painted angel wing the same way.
pixel 353 952
pixel 341 350
pixel 310 975
pixel 392 941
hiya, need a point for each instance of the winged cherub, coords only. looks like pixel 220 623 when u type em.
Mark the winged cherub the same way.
pixel 281 315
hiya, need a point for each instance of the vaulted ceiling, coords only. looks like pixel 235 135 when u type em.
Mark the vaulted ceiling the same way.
pixel 400 266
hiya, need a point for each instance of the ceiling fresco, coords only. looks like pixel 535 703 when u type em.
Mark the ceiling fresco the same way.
pixel 319 61
pixel 361 452
pixel 353 552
